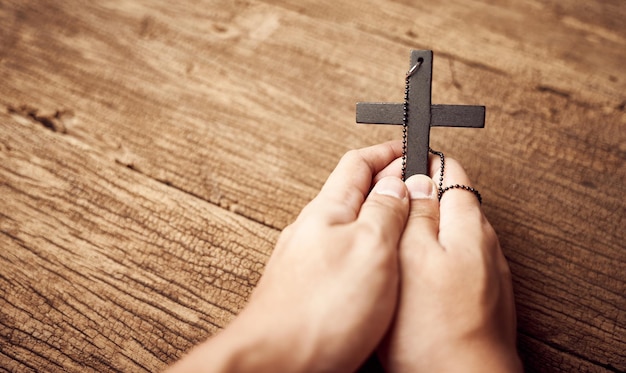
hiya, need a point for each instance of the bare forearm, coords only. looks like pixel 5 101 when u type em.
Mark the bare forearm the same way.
pixel 252 343
pixel 228 352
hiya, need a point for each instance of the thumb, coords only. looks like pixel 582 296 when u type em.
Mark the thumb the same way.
pixel 422 227
pixel 385 210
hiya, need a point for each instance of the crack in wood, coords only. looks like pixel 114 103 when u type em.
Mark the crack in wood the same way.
pixel 170 184
pixel 552 90
pixel 55 122
pixel 555 346
pixel 473 64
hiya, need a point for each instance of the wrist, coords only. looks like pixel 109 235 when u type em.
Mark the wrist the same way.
pixel 477 356
pixel 262 344
pixel 460 356
pixel 243 349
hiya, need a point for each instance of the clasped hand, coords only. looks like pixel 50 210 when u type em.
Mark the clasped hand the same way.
pixel 376 264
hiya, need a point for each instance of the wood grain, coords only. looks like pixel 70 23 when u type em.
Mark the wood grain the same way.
pixel 105 269
pixel 151 151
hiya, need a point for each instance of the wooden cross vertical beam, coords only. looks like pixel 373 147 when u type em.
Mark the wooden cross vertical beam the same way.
pixel 418 113
pixel 421 114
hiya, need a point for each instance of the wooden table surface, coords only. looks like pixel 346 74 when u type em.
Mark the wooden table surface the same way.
pixel 152 151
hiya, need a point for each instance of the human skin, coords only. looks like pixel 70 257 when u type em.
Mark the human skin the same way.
pixel 455 310
pixel 347 275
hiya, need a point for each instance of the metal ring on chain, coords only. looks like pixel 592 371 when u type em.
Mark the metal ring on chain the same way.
pixel 464 187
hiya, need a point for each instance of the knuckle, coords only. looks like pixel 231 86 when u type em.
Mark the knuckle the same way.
pixel 424 213
pixel 376 243
pixel 287 232
pixel 369 232
pixel 384 219
pixel 374 238
pixel 386 206
pixel 352 156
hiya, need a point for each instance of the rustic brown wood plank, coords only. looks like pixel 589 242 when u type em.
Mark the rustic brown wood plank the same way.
pixel 248 105
pixel 106 270
pixel 527 37
pixel 553 360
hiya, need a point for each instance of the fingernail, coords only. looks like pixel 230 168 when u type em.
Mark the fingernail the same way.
pixel 421 187
pixel 390 186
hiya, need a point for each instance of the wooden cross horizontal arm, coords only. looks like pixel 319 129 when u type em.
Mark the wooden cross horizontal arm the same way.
pixel 441 115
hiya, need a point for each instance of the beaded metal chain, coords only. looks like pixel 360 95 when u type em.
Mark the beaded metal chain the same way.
pixel 442 158
pixel 405 113
pixel 440 186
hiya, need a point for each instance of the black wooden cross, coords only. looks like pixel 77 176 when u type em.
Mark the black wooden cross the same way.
pixel 421 115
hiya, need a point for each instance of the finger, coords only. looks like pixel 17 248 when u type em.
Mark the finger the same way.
pixel 462 222
pixel 384 212
pixel 344 192
pixel 422 226
pixel 461 204
pixel 393 169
